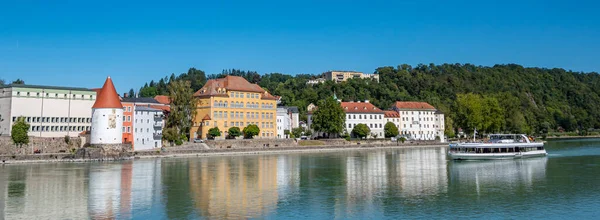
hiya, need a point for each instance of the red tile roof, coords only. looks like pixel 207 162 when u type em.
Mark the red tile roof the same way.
pixel 413 105
pixel 161 107
pixel 206 117
pixel 108 97
pixel 391 114
pixel 163 99
pixel 360 107
pixel 231 83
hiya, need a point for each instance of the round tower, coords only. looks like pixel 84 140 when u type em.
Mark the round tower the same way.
pixel 107 116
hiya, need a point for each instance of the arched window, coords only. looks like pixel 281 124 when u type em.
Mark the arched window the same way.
pixel 225 104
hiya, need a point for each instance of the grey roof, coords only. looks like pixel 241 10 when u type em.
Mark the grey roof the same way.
pixel 437 112
pixel 45 87
pixel 293 109
pixel 147 109
pixel 140 99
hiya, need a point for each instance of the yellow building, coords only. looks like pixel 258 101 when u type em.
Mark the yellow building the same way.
pixel 234 102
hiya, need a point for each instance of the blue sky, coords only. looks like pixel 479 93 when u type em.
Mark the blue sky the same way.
pixel 79 43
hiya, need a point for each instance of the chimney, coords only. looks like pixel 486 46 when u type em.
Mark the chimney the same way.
pixel 125 95
pixel 358 101
pixel 366 101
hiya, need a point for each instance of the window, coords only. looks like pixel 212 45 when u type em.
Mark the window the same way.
pixel 128 129
pixel 129 118
pixel 129 109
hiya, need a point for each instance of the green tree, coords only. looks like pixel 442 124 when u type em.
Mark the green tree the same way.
pixel 390 130
pixel 19 132
pixel 131 93
pixel 170 135
pixel 2 82
pixel 214 132
pixel 449 127
pixel 287 133
pixel 361 131
pixel 18 82
pixel 183 106
pixel 250 131
pixel 148 92
pixel 329 117
pixel 234 132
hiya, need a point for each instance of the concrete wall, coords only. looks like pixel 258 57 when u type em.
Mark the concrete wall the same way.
pixel 249 143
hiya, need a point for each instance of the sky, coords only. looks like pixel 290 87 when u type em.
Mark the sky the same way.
pixel 80 43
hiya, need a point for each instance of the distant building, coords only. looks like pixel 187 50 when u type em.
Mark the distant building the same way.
pixel 340 76
pixel 147 128
pixel 315 81
pixel 294 114
pixel 394 117
pixel 420 120
pixel 360 113
pixel 107 116
pixel 52 111
pixel 232 101
pixel 284 122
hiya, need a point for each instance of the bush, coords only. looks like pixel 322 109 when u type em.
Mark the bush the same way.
pixel 19 132
pixel 214 132
pixel 390 130
pixel 250 131
pixel 234 132
pixel 178 142
pixel 361 131
pixel 67 140
pixel 402 139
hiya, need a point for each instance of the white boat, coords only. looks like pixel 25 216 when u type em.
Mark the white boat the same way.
pixel 500 146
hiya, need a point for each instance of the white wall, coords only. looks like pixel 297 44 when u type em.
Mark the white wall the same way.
pixel 440 128
pixel 375 121
pixel 144 129
pixel 418 124
pixel 283 122
pixel 49 116
pixel 107 126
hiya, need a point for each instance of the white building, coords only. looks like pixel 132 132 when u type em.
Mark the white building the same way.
pixel 340 76
pixel 50 110
pixel 294 116
pixel 283 122
pixel 315 81
pixel 360 113
pixel 394 117
pixel 147 127
pixel 419 120
pixel 107 116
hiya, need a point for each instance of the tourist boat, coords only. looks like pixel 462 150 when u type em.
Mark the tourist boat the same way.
pixel 500 146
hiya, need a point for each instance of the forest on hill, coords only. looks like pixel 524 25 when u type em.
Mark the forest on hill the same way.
pixel 501 98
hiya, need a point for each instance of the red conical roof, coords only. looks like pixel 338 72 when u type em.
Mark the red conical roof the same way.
pixel 107 96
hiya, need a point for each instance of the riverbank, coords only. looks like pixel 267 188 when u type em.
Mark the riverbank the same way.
pixel 572 137
pixel 60 158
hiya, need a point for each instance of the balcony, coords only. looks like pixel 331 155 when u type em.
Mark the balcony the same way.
pixel 158 125
pixel 157 136
pixel 158 118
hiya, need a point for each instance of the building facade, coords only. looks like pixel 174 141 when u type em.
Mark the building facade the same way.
pixel 418 120
pixel 284 122
pixel 234 102
pixel 50 110
pixel 358 113
pixel 147 128
pixel 107 116
pixel 394 117
pixel 340 76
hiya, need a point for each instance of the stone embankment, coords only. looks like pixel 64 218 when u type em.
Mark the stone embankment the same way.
pixel 56 151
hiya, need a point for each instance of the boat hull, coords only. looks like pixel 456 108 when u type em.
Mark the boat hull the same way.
pixel 496 156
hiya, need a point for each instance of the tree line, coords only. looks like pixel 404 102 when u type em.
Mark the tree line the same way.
pixel 499 98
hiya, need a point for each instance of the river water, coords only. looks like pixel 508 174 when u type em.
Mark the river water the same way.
pixel 367 184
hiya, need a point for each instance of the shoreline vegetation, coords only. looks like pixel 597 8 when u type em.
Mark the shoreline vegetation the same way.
pixel 216 152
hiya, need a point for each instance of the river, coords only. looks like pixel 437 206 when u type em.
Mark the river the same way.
pixel 365 184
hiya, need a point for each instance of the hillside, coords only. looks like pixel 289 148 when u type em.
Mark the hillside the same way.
pixel 502 98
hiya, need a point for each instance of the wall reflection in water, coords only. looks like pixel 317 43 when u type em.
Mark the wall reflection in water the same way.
pixel 480 176
pixel 355 184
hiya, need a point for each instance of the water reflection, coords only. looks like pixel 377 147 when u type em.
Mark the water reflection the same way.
pixel 509 174
pixel 370 184
pixel 234 187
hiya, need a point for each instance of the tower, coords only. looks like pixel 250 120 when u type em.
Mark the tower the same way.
pixel 107 116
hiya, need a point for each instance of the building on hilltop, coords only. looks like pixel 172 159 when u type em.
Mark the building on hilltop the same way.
pixel 107 116
pixel 340 76
pixel 420 120
pixel 232 101
pixel 359 113
pixel 52 111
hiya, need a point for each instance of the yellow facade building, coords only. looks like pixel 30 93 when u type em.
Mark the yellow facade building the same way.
pixel 234 102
